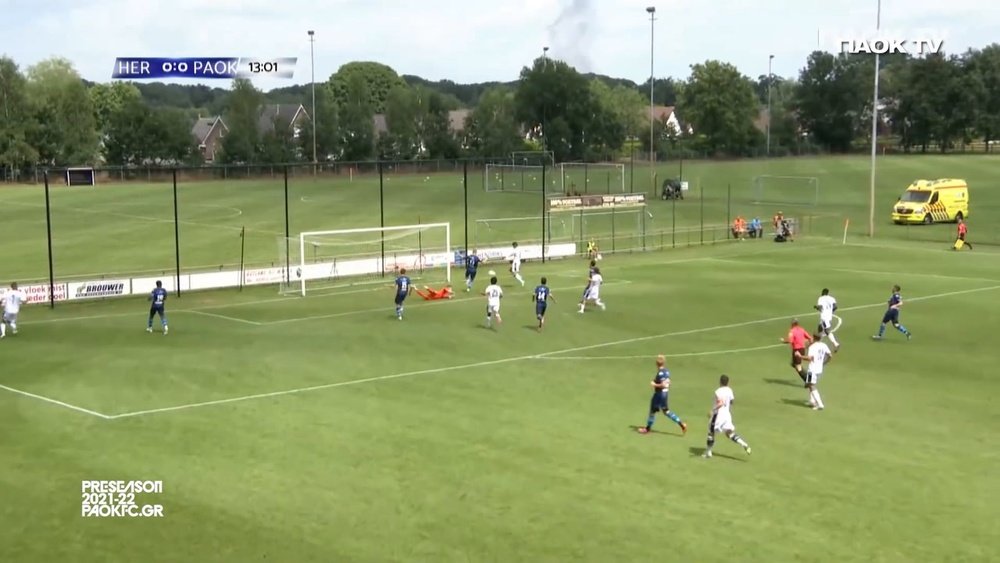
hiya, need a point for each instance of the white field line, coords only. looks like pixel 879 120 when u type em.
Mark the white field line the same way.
pixel 224 317
pixel 55 402
pixel 856 271
pixel 521 358
pixel 991 254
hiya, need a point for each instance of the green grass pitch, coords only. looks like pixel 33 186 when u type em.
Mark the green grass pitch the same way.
pixel 322 429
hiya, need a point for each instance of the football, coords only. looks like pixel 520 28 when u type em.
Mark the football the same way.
pixel 492 273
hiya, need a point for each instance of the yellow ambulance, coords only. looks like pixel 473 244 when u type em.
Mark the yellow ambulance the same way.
pixel 931 201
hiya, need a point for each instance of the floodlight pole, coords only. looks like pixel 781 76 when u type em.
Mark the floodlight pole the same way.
pixel 545 66
pixel 652 147
pixel 770 79
pixel 312 65
pixel 871 189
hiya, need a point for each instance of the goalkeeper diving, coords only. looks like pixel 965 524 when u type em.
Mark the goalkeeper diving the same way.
pixel 430 294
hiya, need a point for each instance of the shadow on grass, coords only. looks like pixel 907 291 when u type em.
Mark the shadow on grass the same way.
pixel 635 428
pixel 533 328
pixel 784 382
pixel 698 452
pixel 796 403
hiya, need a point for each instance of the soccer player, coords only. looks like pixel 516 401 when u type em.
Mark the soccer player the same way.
pixel 659 402
pixel 798 338
pixel 434 294
pixel 158 302
pixel 403 289
pixel 493 295
pixel 12 302
pixel 963 230
pixel 472 262
pixel 826 305
pixel 818 355
pixel 722 417
pixel 515 263
pixel 586 288
pixel 541 297
pixel 593 292
pixel 892 315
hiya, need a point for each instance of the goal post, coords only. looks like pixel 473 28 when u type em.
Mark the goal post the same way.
pixel 319 260
pixel 592 178
pixel 80 176
pixel 533 158
pixel 786 190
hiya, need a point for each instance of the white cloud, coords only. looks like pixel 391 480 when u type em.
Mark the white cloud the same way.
pixel 473 40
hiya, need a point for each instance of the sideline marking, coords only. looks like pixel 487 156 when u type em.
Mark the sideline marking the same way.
pixel 218 316
pixel 52 401
pixel 518 358
pixel 856 271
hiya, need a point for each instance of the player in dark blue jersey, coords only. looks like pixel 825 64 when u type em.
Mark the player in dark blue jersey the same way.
pixel 403 289
pixel 472 262
pixel 892 315
pixel 541 297
pixel 158 300
pixel 659 402
pixel 590 275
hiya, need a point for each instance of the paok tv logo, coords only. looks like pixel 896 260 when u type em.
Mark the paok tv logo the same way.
pixel 891 46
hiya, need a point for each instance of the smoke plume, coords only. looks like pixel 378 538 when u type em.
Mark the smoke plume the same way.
pixel 571 34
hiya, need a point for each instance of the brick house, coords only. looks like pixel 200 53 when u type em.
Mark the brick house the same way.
pixel 208 133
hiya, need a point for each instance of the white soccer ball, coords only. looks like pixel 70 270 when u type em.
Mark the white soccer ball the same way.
pixel 598 257
pixel 492 273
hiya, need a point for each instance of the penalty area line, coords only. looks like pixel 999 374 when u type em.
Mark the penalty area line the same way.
pixel 56 402
pixel 513 358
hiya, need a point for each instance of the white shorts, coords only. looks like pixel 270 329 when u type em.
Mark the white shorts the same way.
pixel 493 308
pixel 812 378
pixel 593 294
pixel 825 326
pixel 722 422
pixel 515 267
pixel 9 317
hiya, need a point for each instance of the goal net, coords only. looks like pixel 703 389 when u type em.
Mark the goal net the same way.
pixel 322 260
pixel 80 177
pixel 518 178
pixel 533 158
pixel 592 178
pixel 786 190
pixel 502 231
pixel 613 230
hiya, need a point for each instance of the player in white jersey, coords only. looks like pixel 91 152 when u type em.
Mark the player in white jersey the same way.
pixel 12 302
pixel 493 295
pixel 593 292
pixel 818 356
pixel 722 417
pixel 826 305
pixel 515 263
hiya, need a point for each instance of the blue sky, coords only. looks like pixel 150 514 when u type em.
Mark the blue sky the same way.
pixel 477 40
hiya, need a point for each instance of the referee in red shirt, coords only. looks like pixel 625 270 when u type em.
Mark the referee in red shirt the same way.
pixel 798 338
pixel 962 231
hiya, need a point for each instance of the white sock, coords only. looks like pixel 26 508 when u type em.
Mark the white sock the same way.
pixel 13 326
pixel 817 400
pixel 3 329
pixel 833 339
pixel 519 278
pixel 600 303
pixel 812 401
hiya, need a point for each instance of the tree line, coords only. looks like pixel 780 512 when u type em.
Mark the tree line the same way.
pixel 49 116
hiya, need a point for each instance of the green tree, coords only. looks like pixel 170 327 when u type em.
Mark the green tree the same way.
pixel 357 130
pixel 66 131
pixel 107 99
pixel 15 119
pixel 984 71
pixel 378 78
pixel 665 92
pixel 720 105
pixel 241 144
pixel 437 136
pixel 833 96
pixel 327 123
pixel 403 115
pixel 935 102
pixel 492 128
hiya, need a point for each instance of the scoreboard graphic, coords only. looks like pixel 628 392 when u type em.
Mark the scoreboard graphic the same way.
pixel 202 68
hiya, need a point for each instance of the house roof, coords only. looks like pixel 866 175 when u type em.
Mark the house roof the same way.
pixel 762 119
pixel 380 123
pixel 203 127
pixel 280 115
pixel 456 119
pixel 660 113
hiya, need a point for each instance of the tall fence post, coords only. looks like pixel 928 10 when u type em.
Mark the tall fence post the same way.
pixel 381 213
pixel 673 223
pixel 729 206
pixel 243 249
pixel 177 237
pixel 48 236
pixel 288 233
pixel 544 210
pixel 701 229
pixel 465 190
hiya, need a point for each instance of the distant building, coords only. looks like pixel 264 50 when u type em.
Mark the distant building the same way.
pixel 282 116
pixel 208 133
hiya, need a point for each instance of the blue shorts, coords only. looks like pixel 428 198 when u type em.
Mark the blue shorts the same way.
pixel 540 309
pixel 470 275
pixel 659 402
pixel 400 297
pixel 154 310
pixel 891 316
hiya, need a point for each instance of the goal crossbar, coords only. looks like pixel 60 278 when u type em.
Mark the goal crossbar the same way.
pixel 366 260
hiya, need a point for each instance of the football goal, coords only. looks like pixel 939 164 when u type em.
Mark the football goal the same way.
pixel 502 231
pixel 80 177
pixel 519 178
pixel 319 260
pixel 533 158
pixel 786 190
pixel 592 178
